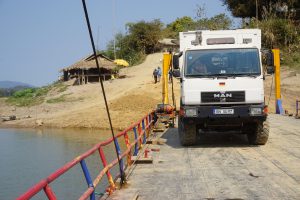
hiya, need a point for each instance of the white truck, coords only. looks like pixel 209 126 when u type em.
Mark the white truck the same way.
pixel 222 87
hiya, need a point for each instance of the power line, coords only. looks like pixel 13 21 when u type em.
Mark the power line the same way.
pixel 102 87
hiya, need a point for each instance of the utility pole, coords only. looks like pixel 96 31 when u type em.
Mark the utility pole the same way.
pixel 114 21
pixel 97 43
pixel 256 5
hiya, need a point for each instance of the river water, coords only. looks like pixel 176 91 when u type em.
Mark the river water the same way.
pixel 29 155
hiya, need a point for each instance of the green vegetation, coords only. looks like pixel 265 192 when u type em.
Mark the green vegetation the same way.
pixel 291 59
pixel 283 34
pixel 59 99
pixel 34 96
pixel 277 31
pixel 244 9
pixel 279 22
pixel 143 37
pixel 185 23
pixel 60 87
pixel 28 97
pixel 6 92
pixel 62 98
pixel 2 93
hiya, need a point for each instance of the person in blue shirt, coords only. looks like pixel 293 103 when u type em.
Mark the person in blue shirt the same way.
pixel 155 72
pixel 158 73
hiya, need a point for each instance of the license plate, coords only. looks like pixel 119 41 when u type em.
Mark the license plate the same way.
pixel 223 111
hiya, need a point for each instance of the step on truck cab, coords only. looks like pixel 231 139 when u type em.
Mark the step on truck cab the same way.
pixel 222 87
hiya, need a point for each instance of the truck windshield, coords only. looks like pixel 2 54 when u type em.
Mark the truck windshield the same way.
pixel 222 62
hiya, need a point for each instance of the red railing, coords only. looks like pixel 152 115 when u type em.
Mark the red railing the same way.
pixel 141 130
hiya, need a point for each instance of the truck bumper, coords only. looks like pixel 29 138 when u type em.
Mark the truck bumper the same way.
pixel 207 116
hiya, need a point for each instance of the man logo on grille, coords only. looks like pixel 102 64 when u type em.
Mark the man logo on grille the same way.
pixel 223 95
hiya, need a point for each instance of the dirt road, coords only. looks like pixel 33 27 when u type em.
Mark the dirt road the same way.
pixel 224 166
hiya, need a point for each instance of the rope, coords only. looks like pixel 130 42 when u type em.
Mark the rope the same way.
pixel 271 89
pixel 173 95
pixel 102 87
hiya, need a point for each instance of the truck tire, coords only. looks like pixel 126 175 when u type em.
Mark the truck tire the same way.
pixel 187 133
pixel 259 134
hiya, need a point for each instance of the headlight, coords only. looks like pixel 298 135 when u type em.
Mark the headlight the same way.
pixel 255 111
pixel 190 112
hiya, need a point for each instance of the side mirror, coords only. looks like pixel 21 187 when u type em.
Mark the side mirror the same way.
pixel 176 73
pixel 175 61
pixel 268 60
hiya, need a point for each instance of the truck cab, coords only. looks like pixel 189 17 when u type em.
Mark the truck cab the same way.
pixel 222 87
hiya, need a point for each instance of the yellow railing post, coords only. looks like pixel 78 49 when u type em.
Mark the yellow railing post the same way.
pixel 279 108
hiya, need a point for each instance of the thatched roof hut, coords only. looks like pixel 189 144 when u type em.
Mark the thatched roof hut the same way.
pixel 85 70
pixel 89 62
pixel 169 44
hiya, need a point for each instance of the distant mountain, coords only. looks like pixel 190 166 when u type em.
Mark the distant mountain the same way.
pixel 13 84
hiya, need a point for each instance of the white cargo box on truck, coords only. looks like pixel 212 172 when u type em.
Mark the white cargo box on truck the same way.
pixel 235 38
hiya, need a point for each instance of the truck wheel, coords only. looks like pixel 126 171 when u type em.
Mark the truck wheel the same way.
pixel 187 133
pixel 259 134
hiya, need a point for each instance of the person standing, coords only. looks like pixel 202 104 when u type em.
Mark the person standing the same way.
pixel 155 73
pixel 170 75
pixel 158 73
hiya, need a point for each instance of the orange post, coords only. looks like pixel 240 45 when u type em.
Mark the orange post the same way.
pixel 140 132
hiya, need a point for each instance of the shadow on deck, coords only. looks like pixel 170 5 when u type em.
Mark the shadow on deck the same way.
pixel 208 140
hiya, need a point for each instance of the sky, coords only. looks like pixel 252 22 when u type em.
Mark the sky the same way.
pixel 39 38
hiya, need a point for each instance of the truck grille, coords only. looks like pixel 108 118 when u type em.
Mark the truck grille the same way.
pixel 228 96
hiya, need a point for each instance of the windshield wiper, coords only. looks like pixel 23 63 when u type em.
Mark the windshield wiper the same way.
pixel 201 76
pixel 225 76
pixel 247 75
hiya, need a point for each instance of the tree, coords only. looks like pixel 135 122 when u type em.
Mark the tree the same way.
pixel 141 38
pixel 179 25
pixel 1 93
pixel 242 8
pixel 144 36
pixel 216 22
pixel 246 8
pixel 120 41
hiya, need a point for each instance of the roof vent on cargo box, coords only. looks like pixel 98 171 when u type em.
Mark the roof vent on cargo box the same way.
pixel 247 40
pixel 212 41
pixel 198 39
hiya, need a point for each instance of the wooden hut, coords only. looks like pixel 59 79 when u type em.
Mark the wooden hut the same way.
pixel 85 70
pixel 168 44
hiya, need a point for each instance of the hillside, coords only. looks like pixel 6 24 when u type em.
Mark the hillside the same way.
pixel 12 84
pixel 129 99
